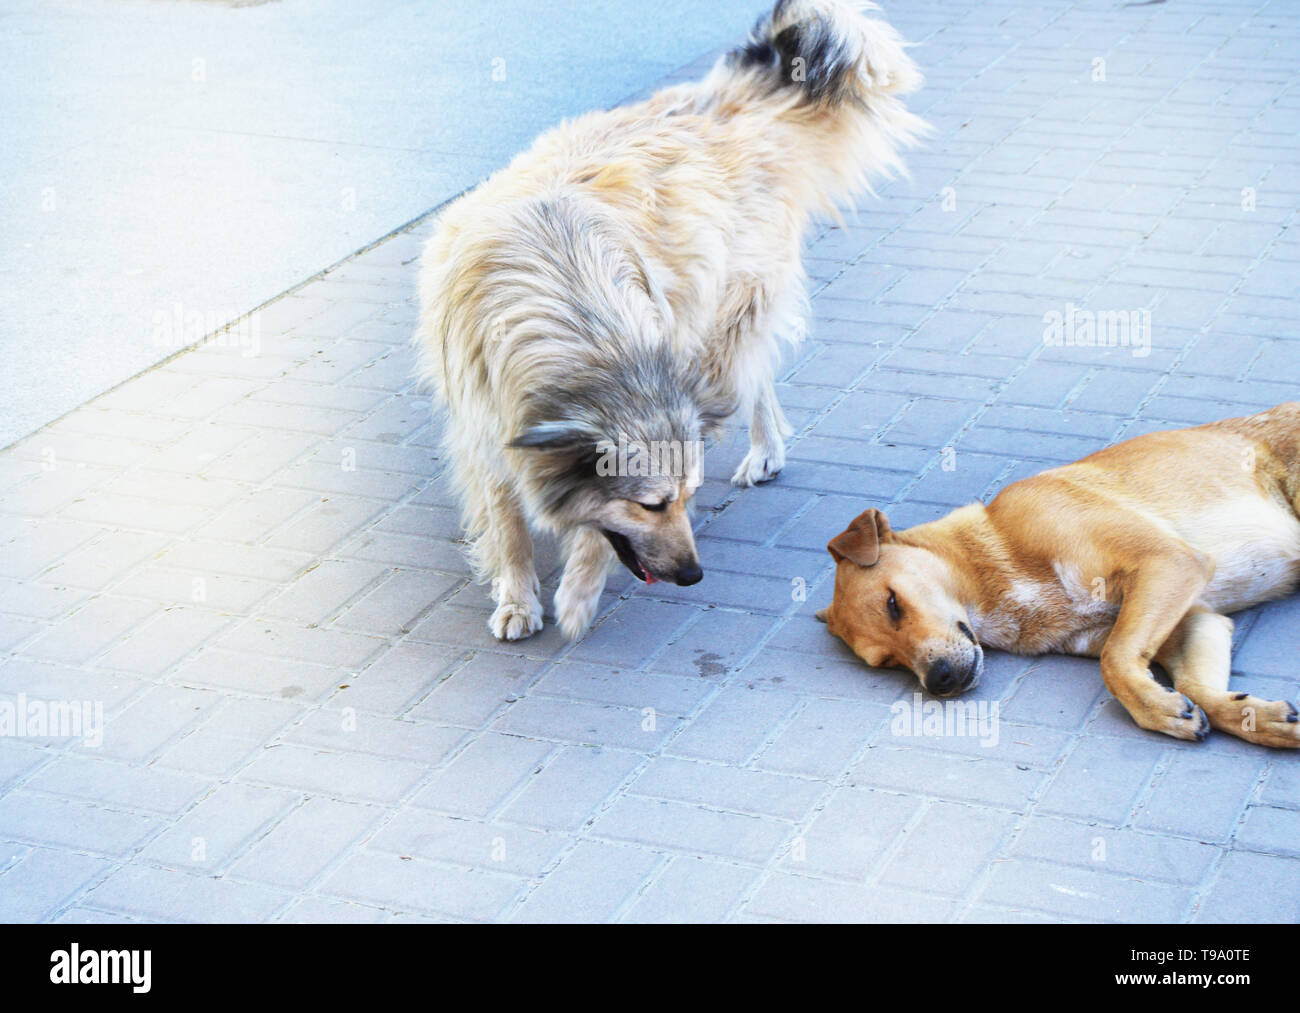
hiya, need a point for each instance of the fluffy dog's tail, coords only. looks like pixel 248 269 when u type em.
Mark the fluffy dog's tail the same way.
pixel 836 76
pixel 827 53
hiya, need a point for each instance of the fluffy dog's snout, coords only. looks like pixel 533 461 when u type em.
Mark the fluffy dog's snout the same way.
pixel 688 574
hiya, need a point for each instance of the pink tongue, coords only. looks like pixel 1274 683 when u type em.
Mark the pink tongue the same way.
pixel 649 577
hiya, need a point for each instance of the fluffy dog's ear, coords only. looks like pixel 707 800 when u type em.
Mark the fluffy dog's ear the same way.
pixel 553 436
pixel 860 542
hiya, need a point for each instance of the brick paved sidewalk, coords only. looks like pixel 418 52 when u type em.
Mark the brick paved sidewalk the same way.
pixel 249 561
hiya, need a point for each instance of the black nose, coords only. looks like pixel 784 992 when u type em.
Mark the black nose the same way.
pixel 688 575
pixel 940 679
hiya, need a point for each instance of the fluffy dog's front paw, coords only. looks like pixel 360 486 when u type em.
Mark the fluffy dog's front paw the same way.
pixel 514 620
pixel 574 610
pixel 761 464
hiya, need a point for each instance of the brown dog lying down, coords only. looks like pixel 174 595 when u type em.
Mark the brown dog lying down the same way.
pixel 1133 555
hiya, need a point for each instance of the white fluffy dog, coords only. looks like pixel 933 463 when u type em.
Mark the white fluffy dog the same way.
pixel 623 284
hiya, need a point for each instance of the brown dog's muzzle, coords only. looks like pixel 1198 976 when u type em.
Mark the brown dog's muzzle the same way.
pixel 943 678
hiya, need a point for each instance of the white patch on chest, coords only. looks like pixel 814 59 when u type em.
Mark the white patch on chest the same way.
pixel 997 629
pixel 1087 598
pixel 1001 626
pixel 1069 615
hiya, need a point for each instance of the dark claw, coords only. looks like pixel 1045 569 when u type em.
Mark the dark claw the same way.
pixel 1203 729
pixel 1294 716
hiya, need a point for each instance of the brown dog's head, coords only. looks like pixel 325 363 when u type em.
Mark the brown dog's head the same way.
pixel 896 605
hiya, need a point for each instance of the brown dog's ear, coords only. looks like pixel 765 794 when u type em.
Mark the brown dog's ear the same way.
pixel 860 542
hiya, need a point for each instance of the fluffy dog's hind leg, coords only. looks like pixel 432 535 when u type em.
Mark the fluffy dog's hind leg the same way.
pixel 767 432
pixel 505 553
pixel 578 596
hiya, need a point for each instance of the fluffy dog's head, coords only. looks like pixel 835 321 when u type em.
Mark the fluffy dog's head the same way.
pixel 618 447
pixel 896 605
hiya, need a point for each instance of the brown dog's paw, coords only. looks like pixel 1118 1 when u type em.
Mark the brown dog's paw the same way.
pixel 1268 722
pixel 1175 714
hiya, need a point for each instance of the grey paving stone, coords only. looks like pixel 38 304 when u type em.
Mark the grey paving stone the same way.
pixel 792 898
pixel 415 885
pixel 1282 787
pixel 318 910
pixel 486 845
pixel 1057 691
pixel 470 695
pixel 306 841
pixel 345 730
pixel 209 835
pixel 568 791
pixel 341 775
pixel 691 890
pixel 1270 830
pixel 714 645
pixel 632 634
pixel 159 716
pixel 947 849
pixel 479 778
pixel 170 636
pixel 724 787
pixel 54 822
pixel 668 696
pixel 734 725
pixel 321 593
pixel 589 885
pixel 44 880
pixel 822 737
pixel 851 834
pixel 575 722
pixel 1103 779
pixel 1220 786
pixel 1253 887
pixel 835 677
pixel 1123 852
pixel 975 778
pixel 91 629
pixel 1085 894
pixel 120 785
pixel 297 641
pixel 691 829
